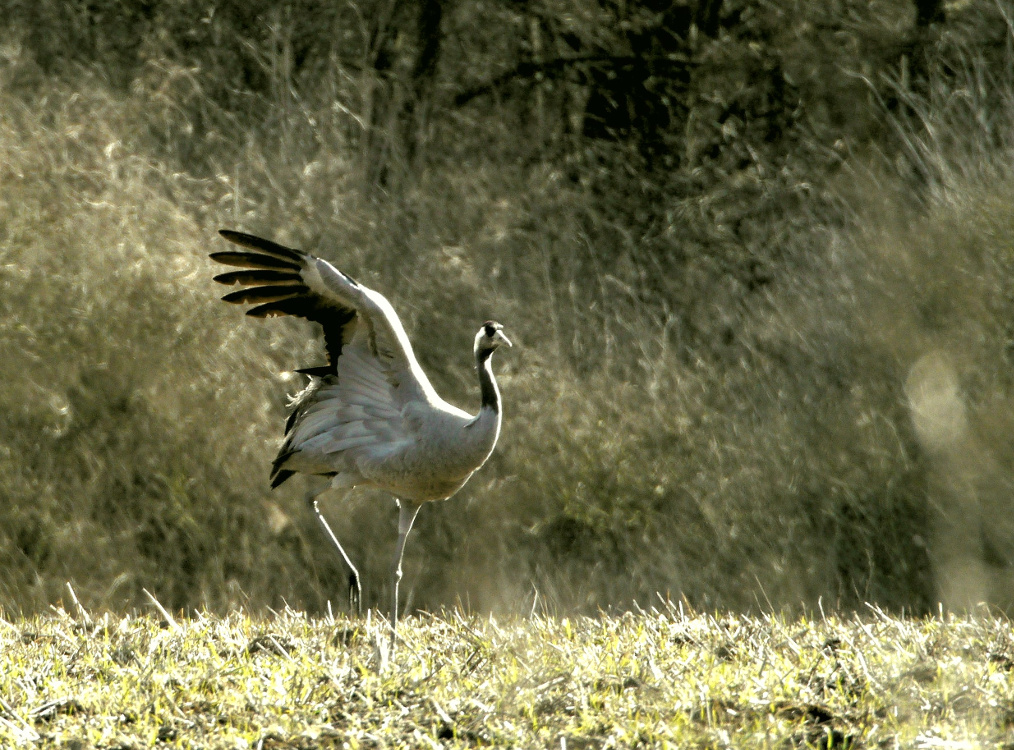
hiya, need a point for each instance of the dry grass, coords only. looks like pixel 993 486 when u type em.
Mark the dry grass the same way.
pixel 716 390
pixel 648 680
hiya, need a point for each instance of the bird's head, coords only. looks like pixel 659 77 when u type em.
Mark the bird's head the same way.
pixel 489 337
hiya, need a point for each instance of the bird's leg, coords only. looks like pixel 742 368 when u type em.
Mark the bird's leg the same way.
pixel 355 589
pixel 407 511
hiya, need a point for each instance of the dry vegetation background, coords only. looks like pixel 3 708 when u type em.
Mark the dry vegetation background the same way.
pixel 757 261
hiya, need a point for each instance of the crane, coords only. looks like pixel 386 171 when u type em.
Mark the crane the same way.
pixel 369 417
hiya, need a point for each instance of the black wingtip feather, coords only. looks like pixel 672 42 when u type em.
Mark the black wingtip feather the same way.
pixel 264 294
pixel 259 243
pixel 288 306
pixel 273 274
pixel 266 311
pixel 280 476
pixel 258 277
pixel 317 372
pixel 255 261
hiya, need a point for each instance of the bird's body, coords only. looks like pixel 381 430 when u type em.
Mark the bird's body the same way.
pixel 369 418
pixel 418 450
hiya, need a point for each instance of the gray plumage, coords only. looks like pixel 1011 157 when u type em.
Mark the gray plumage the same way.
pixel 370 417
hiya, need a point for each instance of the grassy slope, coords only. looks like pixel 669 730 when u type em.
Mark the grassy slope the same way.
pixel 651 679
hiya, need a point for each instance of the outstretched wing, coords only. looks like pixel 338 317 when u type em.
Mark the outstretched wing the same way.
pixel 275 277
pixel 355 408
pixel 283 281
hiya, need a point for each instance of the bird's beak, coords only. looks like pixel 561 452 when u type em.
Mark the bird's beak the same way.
pixel 498 336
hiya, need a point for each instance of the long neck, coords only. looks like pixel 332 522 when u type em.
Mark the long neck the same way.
pixel 487 384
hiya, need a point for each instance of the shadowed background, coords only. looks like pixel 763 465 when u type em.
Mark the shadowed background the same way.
pixel 756 261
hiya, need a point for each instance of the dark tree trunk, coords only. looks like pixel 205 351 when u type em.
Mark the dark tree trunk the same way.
pixel 416 115
pixel 431 13
pixel 707 16
pixel 929 11
pixel 401 88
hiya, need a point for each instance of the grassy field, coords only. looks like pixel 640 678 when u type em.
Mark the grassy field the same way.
pixel 653 679
pixel 763 362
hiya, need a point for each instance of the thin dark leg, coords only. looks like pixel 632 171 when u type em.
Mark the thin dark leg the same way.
pixel 355 589
pixel 406 517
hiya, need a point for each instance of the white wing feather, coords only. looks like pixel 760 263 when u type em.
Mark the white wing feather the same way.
pixel 385 353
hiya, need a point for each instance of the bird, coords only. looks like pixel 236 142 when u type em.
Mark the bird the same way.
pixel 369 418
